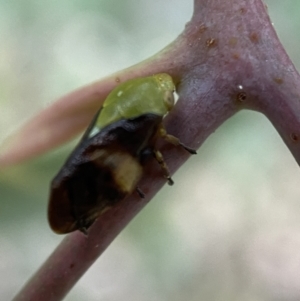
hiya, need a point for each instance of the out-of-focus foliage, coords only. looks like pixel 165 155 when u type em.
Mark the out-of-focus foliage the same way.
pixel 228 229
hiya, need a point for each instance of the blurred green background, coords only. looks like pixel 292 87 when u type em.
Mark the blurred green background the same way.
pixel 230 227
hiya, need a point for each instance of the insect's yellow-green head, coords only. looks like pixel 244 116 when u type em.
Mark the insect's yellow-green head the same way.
pixel 136 97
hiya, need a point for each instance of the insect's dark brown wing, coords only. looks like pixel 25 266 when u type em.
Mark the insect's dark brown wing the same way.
pixel 101 171
pixel 77 198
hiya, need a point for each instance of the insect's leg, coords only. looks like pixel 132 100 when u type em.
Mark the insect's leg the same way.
pixel 160 159
pixel 83 230
pixel 140 192
pixel 81 225
pixel 174 140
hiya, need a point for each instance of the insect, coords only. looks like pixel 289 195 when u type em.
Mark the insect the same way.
pixel 108 162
